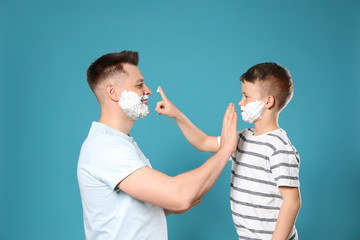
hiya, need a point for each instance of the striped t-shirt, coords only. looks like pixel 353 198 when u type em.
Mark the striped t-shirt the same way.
pixel 259 166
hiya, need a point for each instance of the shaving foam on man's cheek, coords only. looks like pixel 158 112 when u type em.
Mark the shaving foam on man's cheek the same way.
pixel 252 111
pixel 133 106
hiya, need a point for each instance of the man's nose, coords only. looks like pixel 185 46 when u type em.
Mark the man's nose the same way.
pixel 147 91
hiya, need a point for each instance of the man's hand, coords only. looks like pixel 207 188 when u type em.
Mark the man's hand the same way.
pixel 166 107
pixel 228 133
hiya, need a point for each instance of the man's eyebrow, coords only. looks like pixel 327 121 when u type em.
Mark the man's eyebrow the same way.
pixel 141 80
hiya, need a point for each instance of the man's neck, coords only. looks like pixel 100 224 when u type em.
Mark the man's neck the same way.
pixel 117 121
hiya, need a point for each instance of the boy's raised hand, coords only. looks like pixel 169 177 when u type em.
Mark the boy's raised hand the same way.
pixel 229 133
pixel 166 107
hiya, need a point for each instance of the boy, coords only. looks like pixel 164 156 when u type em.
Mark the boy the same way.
pixel 264 194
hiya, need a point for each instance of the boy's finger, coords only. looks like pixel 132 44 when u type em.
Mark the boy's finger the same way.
pixel 160 107
pixel 160 104
pixel 163 96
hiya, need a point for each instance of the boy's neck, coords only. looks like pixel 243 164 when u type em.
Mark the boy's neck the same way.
pixel 265 125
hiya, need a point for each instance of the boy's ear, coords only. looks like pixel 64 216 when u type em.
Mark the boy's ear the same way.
pixel 111 92
pixel 270 102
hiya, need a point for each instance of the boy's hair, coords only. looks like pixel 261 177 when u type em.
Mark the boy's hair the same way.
pixel 108 65
pixel 274 80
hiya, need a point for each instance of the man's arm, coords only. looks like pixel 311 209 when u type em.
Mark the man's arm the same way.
pixel 288 212
pixel 168 212
pixel 194 135
pixel 182 191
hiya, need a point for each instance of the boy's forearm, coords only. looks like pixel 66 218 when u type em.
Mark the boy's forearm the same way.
pixel 286 219
pixel 194 135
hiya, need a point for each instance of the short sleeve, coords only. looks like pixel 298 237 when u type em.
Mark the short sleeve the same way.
pixel 117 162
pixel 284 166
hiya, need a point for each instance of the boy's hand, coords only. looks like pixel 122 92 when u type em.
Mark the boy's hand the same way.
pixel 228 133
pixel 166 107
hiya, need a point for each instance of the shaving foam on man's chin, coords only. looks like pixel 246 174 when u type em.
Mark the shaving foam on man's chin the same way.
pixel 132 104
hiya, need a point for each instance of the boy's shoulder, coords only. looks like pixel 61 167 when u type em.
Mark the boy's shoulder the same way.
pixel 277 138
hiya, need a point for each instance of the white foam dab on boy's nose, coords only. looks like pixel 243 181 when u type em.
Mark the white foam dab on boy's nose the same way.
pixel 158 89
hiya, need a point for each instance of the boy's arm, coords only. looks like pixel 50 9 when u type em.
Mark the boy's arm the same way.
pixel 181 192
pixel 288 212
pixel 194 135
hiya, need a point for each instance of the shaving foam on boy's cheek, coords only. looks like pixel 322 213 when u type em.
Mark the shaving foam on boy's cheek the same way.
pixel 252 111
pixel 133 106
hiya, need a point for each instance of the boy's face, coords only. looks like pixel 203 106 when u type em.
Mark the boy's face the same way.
pixel 250 92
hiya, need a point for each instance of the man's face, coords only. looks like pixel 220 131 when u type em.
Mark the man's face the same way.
pixel 250 92
pixel 134 81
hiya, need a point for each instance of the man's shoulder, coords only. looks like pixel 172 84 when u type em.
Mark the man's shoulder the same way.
pixel 103 141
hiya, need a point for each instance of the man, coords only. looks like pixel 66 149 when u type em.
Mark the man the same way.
pixel 122 196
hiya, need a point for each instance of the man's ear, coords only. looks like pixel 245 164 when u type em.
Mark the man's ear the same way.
pixel 270 102
pixel 111 92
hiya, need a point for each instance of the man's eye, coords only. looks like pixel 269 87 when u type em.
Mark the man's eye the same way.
pixel 140 86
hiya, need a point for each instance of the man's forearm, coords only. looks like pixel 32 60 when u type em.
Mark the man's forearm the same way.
pixel 196 183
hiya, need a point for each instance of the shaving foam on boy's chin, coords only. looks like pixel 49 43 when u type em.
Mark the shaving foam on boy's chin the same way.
pixel 132 105
pixel 252 111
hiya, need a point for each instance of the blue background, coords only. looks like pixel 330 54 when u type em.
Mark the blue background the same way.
pixel 196 50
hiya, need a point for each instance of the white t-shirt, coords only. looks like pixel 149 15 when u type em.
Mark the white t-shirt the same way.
pixel 260 165
pixel 108 156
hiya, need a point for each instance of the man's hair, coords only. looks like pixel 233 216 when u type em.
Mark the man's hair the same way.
pixel 274 80
pixel 109 65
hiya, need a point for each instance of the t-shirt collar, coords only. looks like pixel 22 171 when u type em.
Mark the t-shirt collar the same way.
pixel 114 131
